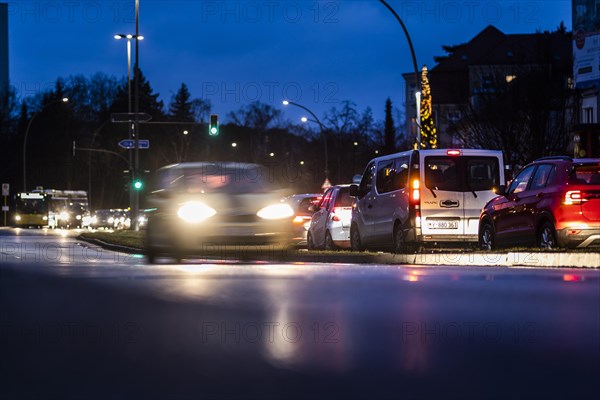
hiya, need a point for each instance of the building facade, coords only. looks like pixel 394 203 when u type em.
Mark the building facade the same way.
pixel 586 76
pixel 476 77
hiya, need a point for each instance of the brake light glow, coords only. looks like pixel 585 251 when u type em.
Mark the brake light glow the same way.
pixel 573 197
pixel 416 193
pixel 298 219
pixel 453 152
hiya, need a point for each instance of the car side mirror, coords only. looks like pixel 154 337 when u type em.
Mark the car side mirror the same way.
pixel 353 190
pixel 501 190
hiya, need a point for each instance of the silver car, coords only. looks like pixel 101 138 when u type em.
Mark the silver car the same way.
pixel 330 225
pixel 198 207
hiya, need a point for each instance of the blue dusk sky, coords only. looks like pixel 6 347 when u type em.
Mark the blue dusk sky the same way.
pixel 317 53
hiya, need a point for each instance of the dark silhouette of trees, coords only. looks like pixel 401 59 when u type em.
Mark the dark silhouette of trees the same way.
pixel 389 129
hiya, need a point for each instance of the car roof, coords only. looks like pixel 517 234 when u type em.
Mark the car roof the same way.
pixel 201 164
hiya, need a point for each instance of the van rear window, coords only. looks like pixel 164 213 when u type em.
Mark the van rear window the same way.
pixel 461 174
pixel 441 173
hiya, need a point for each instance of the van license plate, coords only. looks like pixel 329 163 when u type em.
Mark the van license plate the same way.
pixel 443 224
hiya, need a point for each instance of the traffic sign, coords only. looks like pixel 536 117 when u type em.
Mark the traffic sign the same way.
pixel 5 187
pixel 130 144
pixel 129 117
pixel 5 208
pixel 326 184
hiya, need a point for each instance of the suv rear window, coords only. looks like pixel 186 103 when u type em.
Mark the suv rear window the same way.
pixel 585 175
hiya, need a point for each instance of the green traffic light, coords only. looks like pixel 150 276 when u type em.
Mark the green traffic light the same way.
pixel 213 126
pixel 137 184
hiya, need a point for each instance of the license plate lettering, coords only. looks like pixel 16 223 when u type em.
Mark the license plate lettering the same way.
pixel 442 224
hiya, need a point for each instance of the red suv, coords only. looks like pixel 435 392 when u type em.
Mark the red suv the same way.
pixel 552 202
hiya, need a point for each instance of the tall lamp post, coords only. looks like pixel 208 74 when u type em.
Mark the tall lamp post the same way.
pixel 321 126
pixel 63 100
pixel 129 37
pixel 414 60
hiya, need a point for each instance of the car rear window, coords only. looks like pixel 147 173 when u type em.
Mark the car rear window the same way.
pixel 585 174
pixel 343 198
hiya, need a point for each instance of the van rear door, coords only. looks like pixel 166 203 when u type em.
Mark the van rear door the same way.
pixel 483 175
pixel 456 187
pixel 442 197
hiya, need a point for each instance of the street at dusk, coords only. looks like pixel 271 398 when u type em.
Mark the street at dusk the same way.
pixel 299 199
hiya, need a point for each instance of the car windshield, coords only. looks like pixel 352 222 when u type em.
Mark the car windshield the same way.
pixel 204 180
pixel 31 206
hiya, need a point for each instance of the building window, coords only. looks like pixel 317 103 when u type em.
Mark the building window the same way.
pixel 453 117
pixel 588 115
pixel 510 78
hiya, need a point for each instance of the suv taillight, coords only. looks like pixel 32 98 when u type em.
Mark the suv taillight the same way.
pixel 573 197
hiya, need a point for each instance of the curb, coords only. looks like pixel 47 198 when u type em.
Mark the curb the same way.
pixel 510 259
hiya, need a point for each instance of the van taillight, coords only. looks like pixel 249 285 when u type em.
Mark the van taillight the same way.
pixel 335 217
pixel 416 193
pixel 573 197
pixel 453 152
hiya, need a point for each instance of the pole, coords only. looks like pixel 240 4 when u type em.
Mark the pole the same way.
pixel 322 129
pixel 414 60
pixel 130 125
pixel 136 203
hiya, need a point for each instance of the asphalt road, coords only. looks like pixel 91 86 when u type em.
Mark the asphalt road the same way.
pixel 78 322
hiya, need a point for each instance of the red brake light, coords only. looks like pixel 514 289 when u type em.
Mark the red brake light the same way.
pixel 453 152
pixel 573 197
pixel 416 193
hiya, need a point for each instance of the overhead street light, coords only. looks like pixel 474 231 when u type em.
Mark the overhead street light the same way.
pixel 414 60
pixel 63 100
pixel 130 37
pixel 321 126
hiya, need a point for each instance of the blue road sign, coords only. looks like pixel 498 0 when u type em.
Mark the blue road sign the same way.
pixel 130 144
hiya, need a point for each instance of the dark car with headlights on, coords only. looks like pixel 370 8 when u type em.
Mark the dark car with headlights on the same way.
pixel 552 202
pixel 202 206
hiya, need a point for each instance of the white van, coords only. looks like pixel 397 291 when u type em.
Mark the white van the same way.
pixel 423 196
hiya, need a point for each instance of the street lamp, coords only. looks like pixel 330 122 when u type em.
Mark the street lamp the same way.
pixel 130 37
pixel 321 126
pixel 414 60
pixel 63 100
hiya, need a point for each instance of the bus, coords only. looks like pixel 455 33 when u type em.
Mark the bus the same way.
pixel 31 209
pixel 67 208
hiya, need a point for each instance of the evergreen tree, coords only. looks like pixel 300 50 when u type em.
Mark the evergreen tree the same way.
pixel 428 130
pixel 389 129
pixel 180 109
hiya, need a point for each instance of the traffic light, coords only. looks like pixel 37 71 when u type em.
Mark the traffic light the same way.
pixel 138 184
pixel 213 126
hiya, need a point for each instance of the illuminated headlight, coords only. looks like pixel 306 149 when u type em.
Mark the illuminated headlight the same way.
pixel 64 216
pixel 78 217
pixel 44 218
pixel 17 217
pixel 111 220
pixel 94 220
pixel 195 212
pixel 276 211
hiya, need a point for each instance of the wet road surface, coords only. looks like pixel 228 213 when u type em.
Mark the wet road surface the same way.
pixel 80 322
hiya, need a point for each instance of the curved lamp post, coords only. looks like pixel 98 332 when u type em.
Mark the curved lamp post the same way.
pixel 414 60
pixel 63 100
pixel 321 126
